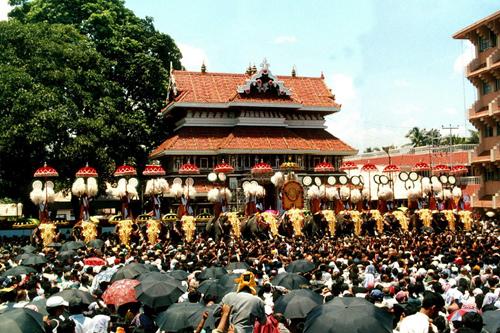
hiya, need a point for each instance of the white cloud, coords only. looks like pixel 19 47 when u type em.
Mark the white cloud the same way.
pixel 4 9
pixel 285 40
pixel 450 111
pixel 342 87
pixel 402 83
pixel 464 58
pixel 193 57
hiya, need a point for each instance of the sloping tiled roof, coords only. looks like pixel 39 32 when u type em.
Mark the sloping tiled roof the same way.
pixel 213 140
pixel 211 88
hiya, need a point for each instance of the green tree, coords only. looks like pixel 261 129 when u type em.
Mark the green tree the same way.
pixel 417 136
pixel 473 137
pixel 56 104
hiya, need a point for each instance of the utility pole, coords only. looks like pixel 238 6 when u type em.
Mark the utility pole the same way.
pixel 451 128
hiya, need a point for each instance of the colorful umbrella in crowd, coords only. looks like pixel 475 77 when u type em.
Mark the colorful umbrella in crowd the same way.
pixel 94 261
pixel 121 292
pixel 347 315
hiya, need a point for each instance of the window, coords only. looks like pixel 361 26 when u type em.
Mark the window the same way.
pixel 488 131
pixel 203 163
pixel 498 128
pixel 486 88
pixel 492 174
pixel 486 43
pixel 177 164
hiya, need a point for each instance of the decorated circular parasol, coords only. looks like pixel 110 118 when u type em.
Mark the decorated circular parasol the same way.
pixel 391 168
pixel 86 171
pixel 125 170
pixel 223 168
pixel 369 167
pixel 348 165
pixel 153 170
pixel 458 169
pixel 261 168
pixel 441 168
pixel 45 172
pixel 421 166
pixel 324 167
pixel 289 165
pixel 189 169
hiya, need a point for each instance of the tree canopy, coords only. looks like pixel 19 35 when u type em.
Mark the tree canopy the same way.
pixel 81 81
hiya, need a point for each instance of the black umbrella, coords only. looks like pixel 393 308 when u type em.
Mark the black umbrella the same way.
pixel 297 303
pixel 76 297
pixel 22 320
pixel 25 256
pixel 491 320
pixel 290 280
pixel 132 270
pixel 237 265
pixel 65 255
pixel 178 274
pixel 300 266
pixel 41 306
pixel 179 316
pixel 18 270
pixel 73 245
pixel 157 276
pixel 213 272
pixel 96 243
pixel 34 260
pixel 158 294
pixel 228 280
pixel 55 245
pixel 213 288
pixel 346 315
pixel 28 248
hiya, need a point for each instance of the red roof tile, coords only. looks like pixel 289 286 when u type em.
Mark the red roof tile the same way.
pixel 245 139
pixel 197 87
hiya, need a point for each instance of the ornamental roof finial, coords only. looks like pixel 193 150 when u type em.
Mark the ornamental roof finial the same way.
pixel 322 75
pixel 203 67
pixel 264 65
pixel 294 71
pixel 254 69
pixel 249 69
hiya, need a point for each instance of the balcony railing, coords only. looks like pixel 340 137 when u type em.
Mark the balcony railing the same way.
pixel 474 180
pixel 473 66
pixel 493 58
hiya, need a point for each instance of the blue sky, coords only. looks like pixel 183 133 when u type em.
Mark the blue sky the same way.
pixel 391 64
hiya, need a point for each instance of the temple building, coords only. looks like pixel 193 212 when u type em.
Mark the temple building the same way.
pixel 247 118
pixel 484 73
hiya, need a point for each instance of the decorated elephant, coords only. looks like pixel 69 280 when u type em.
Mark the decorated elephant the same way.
pixel 227 225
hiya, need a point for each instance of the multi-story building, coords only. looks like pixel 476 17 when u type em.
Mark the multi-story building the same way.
pixel 484 73
pixel 247 118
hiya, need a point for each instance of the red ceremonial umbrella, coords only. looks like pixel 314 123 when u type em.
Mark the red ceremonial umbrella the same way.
pixel 94 261
pixel 441 168
pixel 261 168
pixel 324 167
pixel 153 170
pixel 189 169
pixel 223 168
pixel 121 292
pixel 86 171
pixel 459 169
pixel 125 170
pixel 421 166
pixel 45 172
pixel 369 167
pixel 391 168
pixel 348 165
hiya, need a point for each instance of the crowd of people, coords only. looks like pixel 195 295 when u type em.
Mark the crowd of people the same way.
pixel 423 282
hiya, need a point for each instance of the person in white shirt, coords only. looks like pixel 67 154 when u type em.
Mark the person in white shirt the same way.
pixel 421 322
